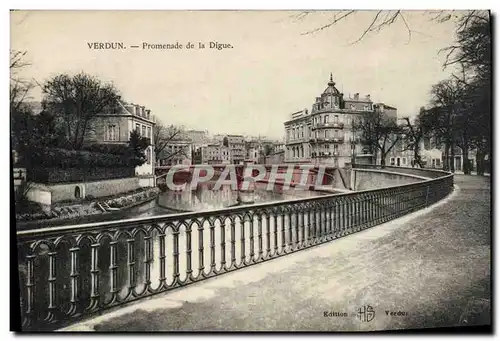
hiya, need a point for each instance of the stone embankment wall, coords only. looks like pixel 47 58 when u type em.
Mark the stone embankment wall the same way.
pixel 366 179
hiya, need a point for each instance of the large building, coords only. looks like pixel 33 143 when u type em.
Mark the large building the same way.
pixel 326 134
pixel 116 128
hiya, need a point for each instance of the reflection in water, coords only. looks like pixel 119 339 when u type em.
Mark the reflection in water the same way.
pixel 204 197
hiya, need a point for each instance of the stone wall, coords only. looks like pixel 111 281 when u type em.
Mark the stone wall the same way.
pixel 97 189
pixel 365 179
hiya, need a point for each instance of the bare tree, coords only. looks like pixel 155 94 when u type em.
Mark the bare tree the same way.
pixel 380 20
pixel 412 136
pixel 445 119
pixel 76 100
pixel 165 138
pixel 19 87
pixel 378 132
pixel 384 19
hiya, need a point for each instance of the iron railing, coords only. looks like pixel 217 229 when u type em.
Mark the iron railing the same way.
pixel 67 273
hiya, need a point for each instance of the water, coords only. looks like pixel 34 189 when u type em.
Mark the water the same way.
pixel 205 197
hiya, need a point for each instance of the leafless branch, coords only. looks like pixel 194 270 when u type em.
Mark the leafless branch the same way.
pixel 407 27
pixel 335 20
pixel 369 28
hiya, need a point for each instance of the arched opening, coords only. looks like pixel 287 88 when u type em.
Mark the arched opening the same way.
pixel 78 193
pixel 225 142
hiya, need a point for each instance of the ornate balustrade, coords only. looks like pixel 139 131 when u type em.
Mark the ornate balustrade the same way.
pixel 68 273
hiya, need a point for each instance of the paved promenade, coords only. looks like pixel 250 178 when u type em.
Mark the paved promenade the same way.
pixel 432 266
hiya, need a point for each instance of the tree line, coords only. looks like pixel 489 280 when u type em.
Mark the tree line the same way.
pixel 69 106
pixel 459 111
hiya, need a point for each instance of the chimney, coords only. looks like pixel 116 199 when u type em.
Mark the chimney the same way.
pixel 356 96
pixel 130 108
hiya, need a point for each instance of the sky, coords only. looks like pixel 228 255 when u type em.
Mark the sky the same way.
pixel 272 70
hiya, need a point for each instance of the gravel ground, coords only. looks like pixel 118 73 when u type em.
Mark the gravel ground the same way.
pixel 432 271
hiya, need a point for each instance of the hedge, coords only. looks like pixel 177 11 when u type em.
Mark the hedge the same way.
pixel 64 158
pixel 58 175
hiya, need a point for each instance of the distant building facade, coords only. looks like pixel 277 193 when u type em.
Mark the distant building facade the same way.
pixel 215 153
pixel 177 152
pixel 235 144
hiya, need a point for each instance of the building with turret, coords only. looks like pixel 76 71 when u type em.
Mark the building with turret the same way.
pixel 326 134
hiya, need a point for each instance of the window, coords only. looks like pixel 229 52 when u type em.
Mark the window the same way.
pixel 404 161
pixel 143 130
pixel 326 134
pixel 138 127
pixel 149 131
pixel 392 161
pixel 336 119
pixel 336 147
pixel 438 163
pixel 326 118
pixel 111 133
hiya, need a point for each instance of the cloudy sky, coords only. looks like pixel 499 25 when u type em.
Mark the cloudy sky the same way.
pixel 272 70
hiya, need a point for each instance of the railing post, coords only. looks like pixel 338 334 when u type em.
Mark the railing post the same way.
pixel 148 259
pixel 268 234
pixel 131 263
pixel 30 284
pixel 52 285
pixel 259 236
pixel 223 242
pixel 233 243
pixel 176 269
pixel 252 250
pixel 242 234
pixel 275 233
pixel 189 270
pixel 283 227
pixel 163 266
pixel 74 275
